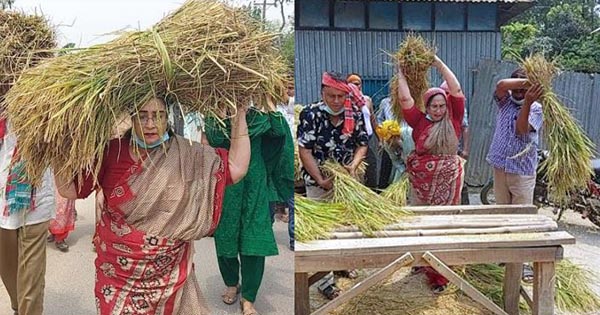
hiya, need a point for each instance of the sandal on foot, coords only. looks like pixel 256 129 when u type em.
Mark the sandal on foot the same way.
pixel 230 296
pixel 62 246
pixel 249 310
pixel 330 292
pixel 438 289
pixel 527 276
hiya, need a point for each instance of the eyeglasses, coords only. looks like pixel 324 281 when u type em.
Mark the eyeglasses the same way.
pixel 156 117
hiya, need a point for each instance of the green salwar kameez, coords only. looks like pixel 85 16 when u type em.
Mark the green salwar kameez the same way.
pixel 245 228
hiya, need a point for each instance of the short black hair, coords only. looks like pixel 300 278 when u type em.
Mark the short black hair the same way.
pixel 519 73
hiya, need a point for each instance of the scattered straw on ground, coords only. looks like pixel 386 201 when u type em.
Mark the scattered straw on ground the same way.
pixel 405 293
pixel 402 294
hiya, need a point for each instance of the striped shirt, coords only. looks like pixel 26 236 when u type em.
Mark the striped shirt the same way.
pixel 510 152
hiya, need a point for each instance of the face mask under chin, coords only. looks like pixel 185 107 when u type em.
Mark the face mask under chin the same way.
pixel 331 112
pixel 518 102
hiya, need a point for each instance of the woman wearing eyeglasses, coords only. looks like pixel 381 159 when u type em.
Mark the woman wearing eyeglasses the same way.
pixel 161 193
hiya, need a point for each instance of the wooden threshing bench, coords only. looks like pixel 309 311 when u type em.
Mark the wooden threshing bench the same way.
pixel 440 237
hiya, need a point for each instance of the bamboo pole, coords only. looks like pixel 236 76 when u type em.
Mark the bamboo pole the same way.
pixel 439 232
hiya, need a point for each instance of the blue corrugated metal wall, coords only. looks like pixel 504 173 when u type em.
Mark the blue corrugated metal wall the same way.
pixel 366 52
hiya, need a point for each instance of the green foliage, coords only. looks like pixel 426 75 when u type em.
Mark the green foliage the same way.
pixel 514 38
pixel 287 49
pixel 560 30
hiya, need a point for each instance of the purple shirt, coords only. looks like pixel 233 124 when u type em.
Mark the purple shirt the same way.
pixel 510 152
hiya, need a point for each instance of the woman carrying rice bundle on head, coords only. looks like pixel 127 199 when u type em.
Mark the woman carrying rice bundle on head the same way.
pixel 161 193
pixel 434 167
pixel 435 170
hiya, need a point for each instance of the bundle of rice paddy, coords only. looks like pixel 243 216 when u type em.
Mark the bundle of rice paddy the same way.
pixel 365 209
pixel 568 166
pixel 397 192
pixel 574 292
pixel 414 57
pixel 315 219
pixel 207 56
pixel 25 40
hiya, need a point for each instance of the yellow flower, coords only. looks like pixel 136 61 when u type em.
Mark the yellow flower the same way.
pixel 388 129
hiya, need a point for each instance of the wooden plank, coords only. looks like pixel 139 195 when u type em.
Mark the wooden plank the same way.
pixel 366 284
pixel 543 288
pixel 316 277
pixel 396 245
pixel 552 226
pixel 526 297
pixel 511 287
pixel 301 296
pixel 452 257
pixel 474 209
pixel 466 287
pixel 461 221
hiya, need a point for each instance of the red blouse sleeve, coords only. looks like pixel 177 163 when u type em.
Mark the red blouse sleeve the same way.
pixel 457 108
pixel 87 184
pixel 413 116
pixel 224 155
pixel 223 180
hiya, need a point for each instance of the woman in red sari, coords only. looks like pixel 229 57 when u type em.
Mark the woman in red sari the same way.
pixel 161 193
pixel 435 170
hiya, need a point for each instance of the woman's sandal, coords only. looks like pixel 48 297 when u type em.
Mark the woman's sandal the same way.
pixel 230 296
pixel 249 310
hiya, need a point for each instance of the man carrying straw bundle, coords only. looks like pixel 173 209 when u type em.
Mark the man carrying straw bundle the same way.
pixel 435 170
pixel 161 193
pixel 513 151
pixel 25 212
pixel 333 128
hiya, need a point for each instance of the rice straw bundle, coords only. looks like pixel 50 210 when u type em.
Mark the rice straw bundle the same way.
pixel 315 219
pixel 397 192
pixel 568 166
pixel 25 40
pixel 573 289
pixel 208 56
pixel 364 208
pixel 414 57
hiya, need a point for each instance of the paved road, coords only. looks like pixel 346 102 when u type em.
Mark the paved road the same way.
pixel 70 276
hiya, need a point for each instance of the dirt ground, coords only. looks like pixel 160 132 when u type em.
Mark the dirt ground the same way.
pixel 408 294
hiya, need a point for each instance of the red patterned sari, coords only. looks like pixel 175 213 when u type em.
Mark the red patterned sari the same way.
pixel 435 179
pixel 151 216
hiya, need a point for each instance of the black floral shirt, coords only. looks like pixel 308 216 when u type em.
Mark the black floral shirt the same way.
pixel 326 141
